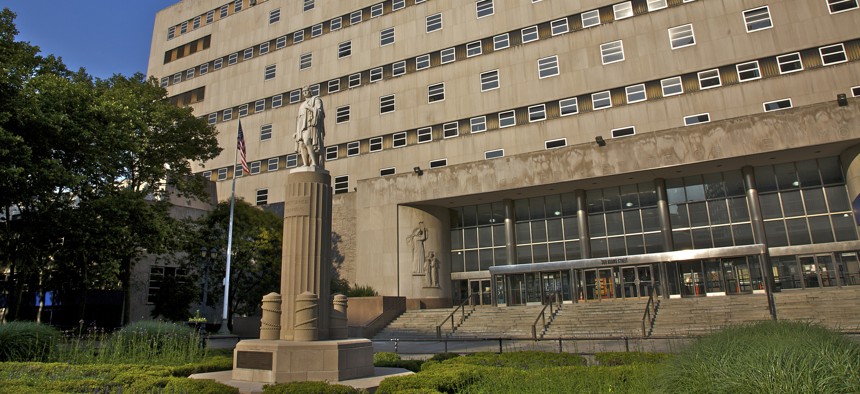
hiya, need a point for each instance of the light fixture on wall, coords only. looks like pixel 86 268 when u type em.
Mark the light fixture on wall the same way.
pixel 600 141
pixel 842 99
pixel 418 170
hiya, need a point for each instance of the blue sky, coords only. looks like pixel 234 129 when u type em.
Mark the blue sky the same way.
pixel 105 37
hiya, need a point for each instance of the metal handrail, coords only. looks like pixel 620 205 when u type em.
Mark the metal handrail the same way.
pixel 462 309
pixel 650 312
pixel 554 298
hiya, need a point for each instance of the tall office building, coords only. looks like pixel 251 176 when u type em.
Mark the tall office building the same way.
pixel 512 149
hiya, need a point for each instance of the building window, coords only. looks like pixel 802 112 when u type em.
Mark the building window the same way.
pixel 554 144
pixel 222 174
pixel 398 68
pixel 438 163
pixel 341 184
pixel 196 22
pixel 590 18
pixel 548 67
pixel 387 171
pixel 352 148
pixel 183 28
pixel 237 6
pixel 424 134
pixel 213 118
pixel 264 48
pixel 259 105
pixel 777 105
pixel 376 10
pixel 177 78
pixel 537 113
pixel 612 52
pixel 748 71
pixel 450 130
pixel 757 19
pixel 207 175
pixel 309 5
pixel 254 166
pixel 789 63
pixel 341 114
pixel 489 80
pixel 681 36
pixel 568 106
pixel 635 93
pixel 478 124
pixel 248 53
pixel 171 32
pixel 484 8
pixel 157 274
pixel 189 73
pixel 386 36
pixel 295 96
pixel 448 55
pixel 273 164
pixel 232 59
pixel 398 4
pixel 218 63
pixel 265 132
pixel 507 119
pixel 165 82
pixel 354 80
pixel 281 42
pixel 344 49
pixel 204 68
pixel 601 100
pixel 270 72
pixel 277 101
pixel 671 86
pixel 473 49
pixel 223 12
pixel 833 54
pixel 836 6
pixel 623 132
pixel 274 15
pixel 696 119
pixel 709 79
pixel 559 26
pixel 334 85
pixel 436 92
pixel 422 62
pixel 355 17
pixel 623 10
pixel 210 16
pixel 654 5
pixel 855 91
pixel 434 22
pixel 238 171
pixel 386 104
pixel 305 61
pixel 375 144
pixel 292 160
pixel 243 110
pixel 501 41
pixel 298 36
pixel 529 34
pixel 376 74
pixel 228 114
pixel 492 154
pixel 331 153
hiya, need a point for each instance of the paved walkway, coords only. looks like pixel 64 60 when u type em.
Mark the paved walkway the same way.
pixel 368 383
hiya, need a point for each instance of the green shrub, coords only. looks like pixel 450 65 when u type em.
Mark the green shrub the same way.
pixel 520 360
pixel 27 341
pixel 208 364
pixel 361 291
pixel 385 356
pixel 443 356
pixel 627 358
pixel 145 342
pixel 633 379
pixel 412 365
pixel 447 379
pixel 309 388
pixel 767 357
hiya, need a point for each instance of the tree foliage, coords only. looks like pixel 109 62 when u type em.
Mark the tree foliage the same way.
pixel 87 166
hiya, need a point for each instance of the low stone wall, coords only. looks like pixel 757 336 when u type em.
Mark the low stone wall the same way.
pixel 367 315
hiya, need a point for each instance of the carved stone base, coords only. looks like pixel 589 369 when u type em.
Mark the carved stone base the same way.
pixel 288 361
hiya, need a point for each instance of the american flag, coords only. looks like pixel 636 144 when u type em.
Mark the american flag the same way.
pixel 240 144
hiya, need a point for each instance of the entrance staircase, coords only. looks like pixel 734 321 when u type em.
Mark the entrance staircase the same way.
pixel 498 322
pixel 598 319
pixel 703 315
pixel 414 324
pixel 831 307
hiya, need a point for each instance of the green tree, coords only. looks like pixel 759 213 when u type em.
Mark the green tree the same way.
pixel 256 253
pixel 90 165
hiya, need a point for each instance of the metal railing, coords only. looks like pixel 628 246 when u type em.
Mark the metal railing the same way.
pixel 462 309
pixel 554 301
pixel 650 313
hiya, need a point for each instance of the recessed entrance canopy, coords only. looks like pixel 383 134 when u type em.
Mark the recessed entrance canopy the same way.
pixel 681 255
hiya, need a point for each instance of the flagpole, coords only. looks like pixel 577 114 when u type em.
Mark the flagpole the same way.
pixel 225 330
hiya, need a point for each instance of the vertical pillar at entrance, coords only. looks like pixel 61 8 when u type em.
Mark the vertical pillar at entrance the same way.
pixel 665 231
pixel 759 234
pixel 510 232
pixel 582 223
pixel 307 236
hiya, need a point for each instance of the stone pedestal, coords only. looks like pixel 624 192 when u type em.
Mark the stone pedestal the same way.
pixel 292 361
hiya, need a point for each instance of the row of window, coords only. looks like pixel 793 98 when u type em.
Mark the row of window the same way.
pixel 205 19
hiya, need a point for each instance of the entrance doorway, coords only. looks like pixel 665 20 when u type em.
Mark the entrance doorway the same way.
pixel 819 271
pixel 480 291
pixel 636 281
pixel 599 284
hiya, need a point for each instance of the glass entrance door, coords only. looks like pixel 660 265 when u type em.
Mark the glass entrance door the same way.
pixel 551 285
pixel 736 272
pixel 481 291
pixel 636 281
pixel 819 271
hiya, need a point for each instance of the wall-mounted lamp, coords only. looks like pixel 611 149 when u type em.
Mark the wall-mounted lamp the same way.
pixel 842 99
pixel 600 141
pixel 418 170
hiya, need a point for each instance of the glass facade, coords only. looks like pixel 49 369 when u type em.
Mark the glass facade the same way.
pixel 624 221
pixel 546 229
pixel 478 237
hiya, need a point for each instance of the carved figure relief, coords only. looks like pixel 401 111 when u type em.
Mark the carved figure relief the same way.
pixel 416 241
pixel 431 266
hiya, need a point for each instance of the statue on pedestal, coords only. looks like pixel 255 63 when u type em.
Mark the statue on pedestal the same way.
pixel 310 130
